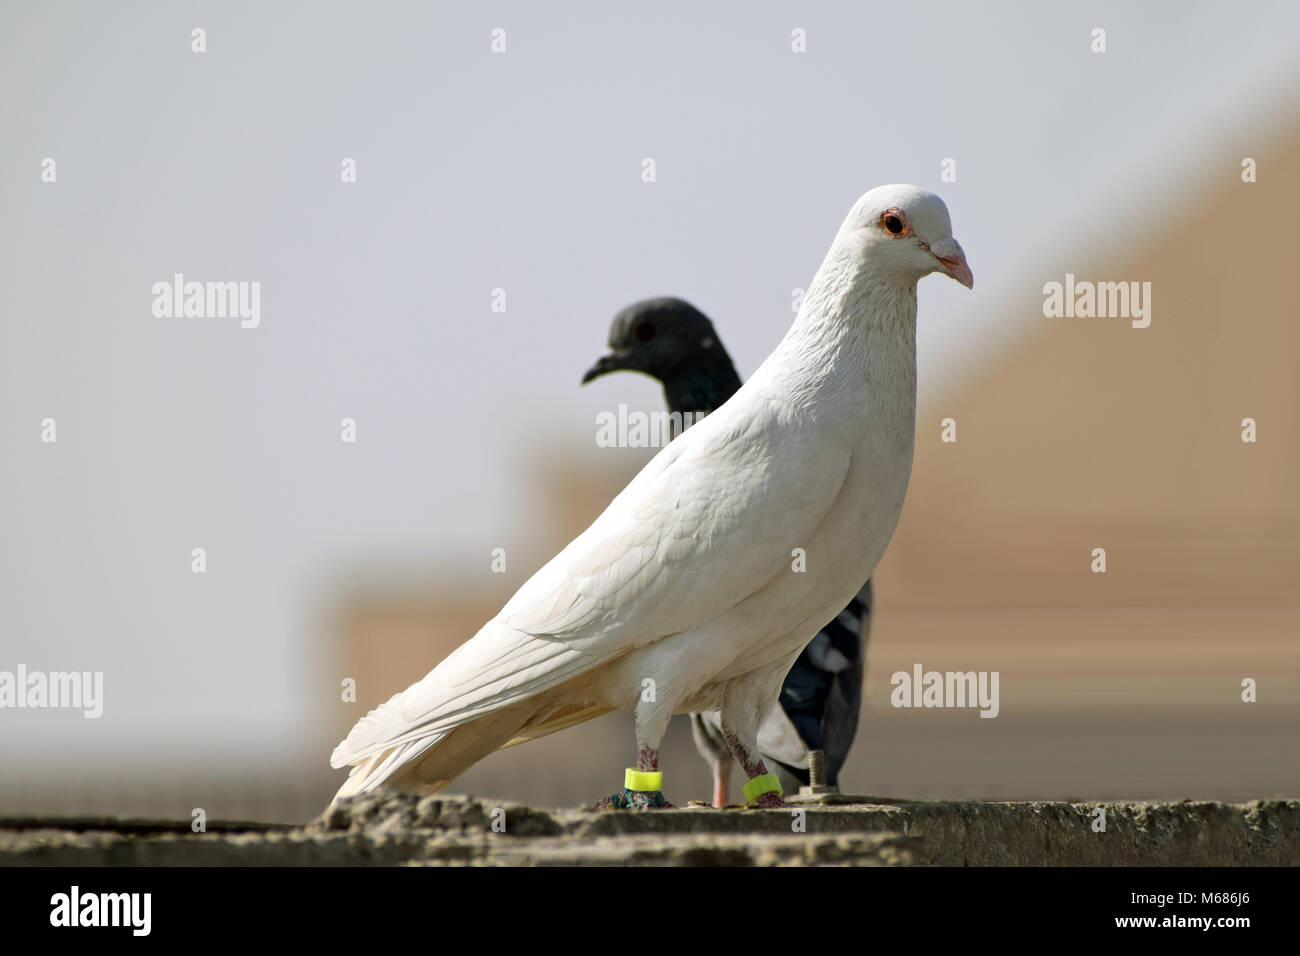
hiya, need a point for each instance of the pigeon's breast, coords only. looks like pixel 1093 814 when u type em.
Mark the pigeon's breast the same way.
pixel 819 577
pixel 840 555
pixel 781 515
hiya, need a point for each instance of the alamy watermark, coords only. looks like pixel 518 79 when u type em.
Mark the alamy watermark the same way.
pixel 636 429
pixel 1086 299
pixel 179 299
pixel 946 689
pixel 130 910
pixel 70 690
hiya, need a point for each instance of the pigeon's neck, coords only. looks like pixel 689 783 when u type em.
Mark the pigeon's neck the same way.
pixel 853 345
pixel 702 388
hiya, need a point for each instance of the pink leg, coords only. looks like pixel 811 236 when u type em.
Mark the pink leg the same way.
pixel 721 780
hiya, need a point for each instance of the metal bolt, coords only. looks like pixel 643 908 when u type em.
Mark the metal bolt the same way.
pixel 817 768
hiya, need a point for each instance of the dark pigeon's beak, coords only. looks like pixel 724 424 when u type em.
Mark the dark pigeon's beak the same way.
pixel 609 362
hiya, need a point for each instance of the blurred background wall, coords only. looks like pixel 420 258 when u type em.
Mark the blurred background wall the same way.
pixel 522 171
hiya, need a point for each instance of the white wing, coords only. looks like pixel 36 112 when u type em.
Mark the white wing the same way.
pixel 712 519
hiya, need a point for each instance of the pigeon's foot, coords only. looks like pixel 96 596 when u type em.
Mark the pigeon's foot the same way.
pixel 627 799
pixel 767 801
pixel 641 788
pixel 763 792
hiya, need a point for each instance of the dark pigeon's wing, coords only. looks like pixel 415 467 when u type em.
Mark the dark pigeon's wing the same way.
pixel 822 694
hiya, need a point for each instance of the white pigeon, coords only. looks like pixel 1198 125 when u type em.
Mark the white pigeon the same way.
pixel 696 589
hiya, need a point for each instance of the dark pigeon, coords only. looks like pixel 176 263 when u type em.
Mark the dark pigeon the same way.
pixel 674 342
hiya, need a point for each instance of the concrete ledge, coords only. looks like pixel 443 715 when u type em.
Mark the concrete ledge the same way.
pixel 387 829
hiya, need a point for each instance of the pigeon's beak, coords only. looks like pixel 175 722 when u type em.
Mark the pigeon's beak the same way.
pixel 609 362
pixel 952 261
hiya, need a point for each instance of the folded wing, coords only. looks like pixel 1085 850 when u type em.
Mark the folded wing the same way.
pixel 711 520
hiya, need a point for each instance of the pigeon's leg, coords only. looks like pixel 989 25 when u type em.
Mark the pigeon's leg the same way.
pixel 741 716
pixel 721 780
pixel 642 787
pixel 709 742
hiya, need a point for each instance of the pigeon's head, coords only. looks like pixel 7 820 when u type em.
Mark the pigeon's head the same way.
pixel 905 231
pixel 659 337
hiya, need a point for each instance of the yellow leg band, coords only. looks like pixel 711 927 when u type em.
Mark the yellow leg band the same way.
pixel 755 788
pixel 644 781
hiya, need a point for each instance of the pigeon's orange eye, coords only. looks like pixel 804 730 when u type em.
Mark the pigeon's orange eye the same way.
pixel 894 222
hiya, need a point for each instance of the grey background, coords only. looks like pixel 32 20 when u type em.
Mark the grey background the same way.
pixel 476 171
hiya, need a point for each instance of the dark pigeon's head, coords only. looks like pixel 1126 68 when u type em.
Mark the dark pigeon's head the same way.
pixel 663 338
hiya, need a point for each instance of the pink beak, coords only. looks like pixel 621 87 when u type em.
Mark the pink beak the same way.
pixel 952 261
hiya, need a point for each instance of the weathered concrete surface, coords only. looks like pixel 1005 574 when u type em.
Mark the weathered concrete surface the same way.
pixel 383 829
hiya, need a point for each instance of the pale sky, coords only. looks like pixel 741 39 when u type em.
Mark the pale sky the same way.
pixel 477 170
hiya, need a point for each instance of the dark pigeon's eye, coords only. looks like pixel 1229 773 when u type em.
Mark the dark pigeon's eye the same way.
pixel 644 332
pixel 893 224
